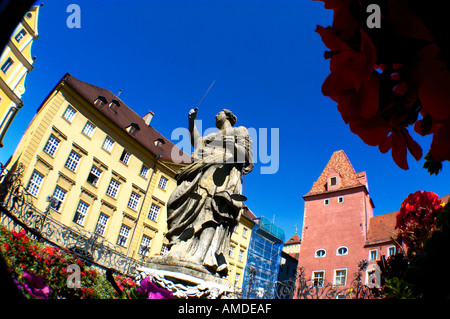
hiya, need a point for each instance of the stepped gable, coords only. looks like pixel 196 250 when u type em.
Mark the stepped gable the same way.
pixel 339 163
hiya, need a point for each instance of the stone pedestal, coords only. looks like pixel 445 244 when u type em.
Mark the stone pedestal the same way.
pixel 185 279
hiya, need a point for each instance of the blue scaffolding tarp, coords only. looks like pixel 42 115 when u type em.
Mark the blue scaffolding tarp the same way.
pixel 263 260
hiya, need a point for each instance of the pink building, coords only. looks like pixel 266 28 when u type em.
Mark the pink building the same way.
pixel 339 230
pixel 337 213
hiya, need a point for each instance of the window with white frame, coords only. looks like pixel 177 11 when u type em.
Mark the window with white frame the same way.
pixel 72 161
pixel 163 182
pixel 244 232
pixel 80 214
pixel 101 224
pixel 144 249
pixel 326 201
pixel 20 35
pixel 154 211
pixel 236 279
pixel 108 144
pixel 391 251
pixel 144 171
pixel 320 253
pixel 340 199
pixel 133 203
pixel 164 249
pixel 241 255
pixel 125 157
pixel 94 176
pixel 340 277
pixel 58 198
pixel 5 67
pixel 113 188
pixel 69 114
pixel 123 235
pixel 35 183
pixel 231 253
pixel 88 129
pixel 52 145
pixel 318 277
pixel 373 254
pixel 342 251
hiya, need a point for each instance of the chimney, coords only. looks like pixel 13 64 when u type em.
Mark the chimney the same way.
pixel 148 117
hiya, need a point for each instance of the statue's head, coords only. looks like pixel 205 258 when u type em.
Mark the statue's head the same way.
pixel 224 115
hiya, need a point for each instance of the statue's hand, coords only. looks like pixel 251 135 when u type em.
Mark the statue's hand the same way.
pixel 193 114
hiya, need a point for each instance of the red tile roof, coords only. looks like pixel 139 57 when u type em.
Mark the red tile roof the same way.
pixel 341 164
pixel 124 116
pixel 382 228
pixel 293 240
pixel 248 213
pixel 445 199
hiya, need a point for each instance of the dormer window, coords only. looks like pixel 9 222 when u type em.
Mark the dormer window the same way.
pixel 133 129
pixel 159 142
pixel 114 105
pixel 100 101
pixel 333 181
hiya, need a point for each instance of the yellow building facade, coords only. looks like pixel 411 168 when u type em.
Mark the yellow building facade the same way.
pixel 16 62
pixel 240 241
pixel 104 167
pixel 97 166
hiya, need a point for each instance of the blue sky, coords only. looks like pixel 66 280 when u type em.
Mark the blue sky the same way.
pixel 268 67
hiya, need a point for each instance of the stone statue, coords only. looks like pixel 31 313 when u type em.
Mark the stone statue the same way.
pixel 204 208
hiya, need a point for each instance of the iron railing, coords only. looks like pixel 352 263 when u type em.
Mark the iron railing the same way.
pixel 18 212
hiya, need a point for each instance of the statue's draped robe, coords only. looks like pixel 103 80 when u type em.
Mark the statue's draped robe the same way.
pixel 214 175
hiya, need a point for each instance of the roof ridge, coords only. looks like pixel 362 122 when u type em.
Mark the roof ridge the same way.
pixel 124 117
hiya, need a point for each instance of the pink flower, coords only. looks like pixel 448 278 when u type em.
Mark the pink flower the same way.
pixel 147 287
pixel 34 285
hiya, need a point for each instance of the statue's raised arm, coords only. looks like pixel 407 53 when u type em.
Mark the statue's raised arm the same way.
pixel 203 210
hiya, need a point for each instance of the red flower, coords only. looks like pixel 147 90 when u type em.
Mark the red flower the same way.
pixel 381 88
pixel 400 142
pixel 6 247
pixel 416 219
pixel 434 93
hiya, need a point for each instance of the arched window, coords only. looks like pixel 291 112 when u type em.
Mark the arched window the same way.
pixel 342 251
pixel 320 253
